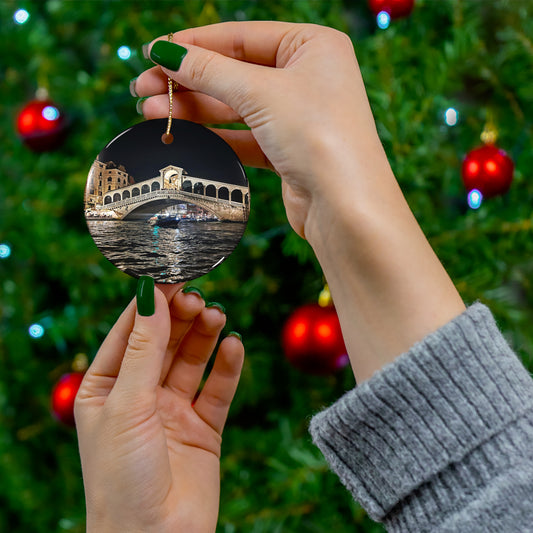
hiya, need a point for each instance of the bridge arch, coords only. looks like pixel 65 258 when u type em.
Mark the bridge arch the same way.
pixel 156 186
pixel 236 196
pixel 223 193
pixel 198 188
pixel 186 186
pixel 116 197
pixel 145 189
pixel 211 191
pixel 125 195
pixel 135 192
pixel 107 200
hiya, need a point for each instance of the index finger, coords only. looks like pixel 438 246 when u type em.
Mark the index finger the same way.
pixel 251 41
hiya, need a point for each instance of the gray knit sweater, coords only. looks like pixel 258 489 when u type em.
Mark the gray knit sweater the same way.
pixel 440 440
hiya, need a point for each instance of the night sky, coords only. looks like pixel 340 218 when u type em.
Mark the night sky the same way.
pixel 199 151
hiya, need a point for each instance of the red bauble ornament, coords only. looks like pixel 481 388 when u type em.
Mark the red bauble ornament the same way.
pixel 312 340
pixel 41 125
pixel 487 169
pixel 63 396
pixel 395 8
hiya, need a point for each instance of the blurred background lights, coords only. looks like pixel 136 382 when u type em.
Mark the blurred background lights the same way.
pixel 21 16
pixel 124 52
pixel 383 20
pixel 36 331
pixel 474 198
pixel 5 251
pixel 451 116
pixel 50 112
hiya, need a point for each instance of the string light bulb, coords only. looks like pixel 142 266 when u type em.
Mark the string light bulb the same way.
pixel 383 20
pixel 36 331
pixel 21 16
pixel 451 116
pixel 124 52
pixel 5 250
pixel 474 199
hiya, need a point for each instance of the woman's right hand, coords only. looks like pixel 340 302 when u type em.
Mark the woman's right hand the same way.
pixel 296 86
pixel 299 89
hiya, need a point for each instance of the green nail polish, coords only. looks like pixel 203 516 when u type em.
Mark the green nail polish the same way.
pixel 139 105
pixel 235 334
pixel 145 296
pixel 168 55
pixel 133 91
pixel 220 307
pixel 194 290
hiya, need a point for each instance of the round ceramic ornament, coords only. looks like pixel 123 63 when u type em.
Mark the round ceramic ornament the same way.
pixel 169 206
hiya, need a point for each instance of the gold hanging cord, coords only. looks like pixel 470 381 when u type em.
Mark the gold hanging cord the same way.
pixel 167 137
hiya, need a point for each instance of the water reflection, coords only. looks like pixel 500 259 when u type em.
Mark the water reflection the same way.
pixel 169 255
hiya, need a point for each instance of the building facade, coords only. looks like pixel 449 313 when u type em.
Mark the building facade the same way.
pixel 105 177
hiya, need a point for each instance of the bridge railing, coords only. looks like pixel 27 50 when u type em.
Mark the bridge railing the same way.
pixel 135 199
pixel 211 198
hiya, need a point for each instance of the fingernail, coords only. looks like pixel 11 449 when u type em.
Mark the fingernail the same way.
pixel 145 50
pixel 139 105
pixel 133 91
pixel 168 55
pixel 220 307
pixel 193 290
pixel 145 296
pixel 235 334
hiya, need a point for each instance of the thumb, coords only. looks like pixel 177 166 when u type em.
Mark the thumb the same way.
pixel 141 367
pixel 229 80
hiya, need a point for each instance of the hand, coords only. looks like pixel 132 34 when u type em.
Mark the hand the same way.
pixel 150 453
pixel 299 89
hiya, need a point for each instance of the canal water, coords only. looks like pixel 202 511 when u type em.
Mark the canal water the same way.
pixel 169 255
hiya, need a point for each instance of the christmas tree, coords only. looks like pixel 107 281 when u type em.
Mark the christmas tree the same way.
pixel 436 80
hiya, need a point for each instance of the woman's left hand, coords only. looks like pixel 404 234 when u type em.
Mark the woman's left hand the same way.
pixel 150 451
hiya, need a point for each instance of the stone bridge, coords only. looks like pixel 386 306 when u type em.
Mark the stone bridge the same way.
pixel 141 200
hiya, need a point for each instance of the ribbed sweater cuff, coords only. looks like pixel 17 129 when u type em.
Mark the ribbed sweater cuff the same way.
pixel 446 400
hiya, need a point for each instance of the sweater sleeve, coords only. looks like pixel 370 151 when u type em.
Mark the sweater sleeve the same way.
pixel 441 439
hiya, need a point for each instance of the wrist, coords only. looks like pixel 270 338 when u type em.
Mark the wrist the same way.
pixel 389 288
pixel 349 192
